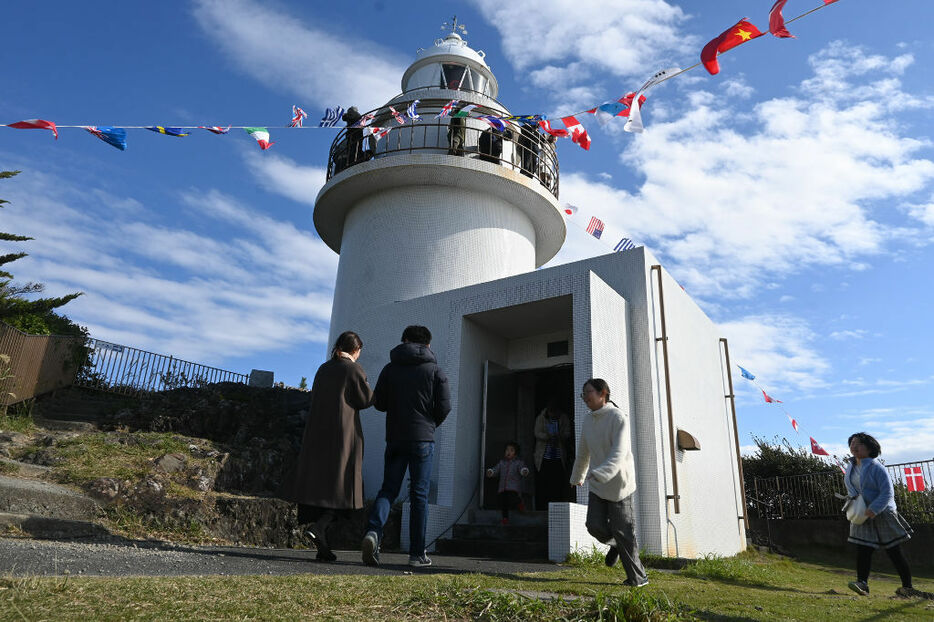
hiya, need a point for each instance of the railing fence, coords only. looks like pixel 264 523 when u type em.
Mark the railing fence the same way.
pixel 812 495
pixel 125 370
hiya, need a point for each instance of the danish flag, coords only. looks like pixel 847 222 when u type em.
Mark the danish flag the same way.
pixel 914 479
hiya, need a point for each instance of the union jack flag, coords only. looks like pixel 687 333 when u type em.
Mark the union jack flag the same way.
pixel 214 129
pixel 624 245
pixel 331 116
pixel 399 118
pixel 411 112
pixel 298 115
pixel 448 107
pixel 595 228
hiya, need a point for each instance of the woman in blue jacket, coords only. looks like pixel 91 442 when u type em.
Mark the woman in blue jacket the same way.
pixel 884 528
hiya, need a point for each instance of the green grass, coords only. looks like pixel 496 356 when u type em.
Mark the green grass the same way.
pixel 750 586
pixel 15 421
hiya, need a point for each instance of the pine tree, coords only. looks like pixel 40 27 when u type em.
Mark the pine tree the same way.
pixel 36 315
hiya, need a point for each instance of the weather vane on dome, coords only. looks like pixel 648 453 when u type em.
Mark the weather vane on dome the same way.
pixel 454 26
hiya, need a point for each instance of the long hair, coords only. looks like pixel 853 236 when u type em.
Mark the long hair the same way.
pixel 875 449
pixel 348 342
pixel 600 385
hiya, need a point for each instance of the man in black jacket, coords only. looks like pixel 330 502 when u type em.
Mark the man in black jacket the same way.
pixel 413 392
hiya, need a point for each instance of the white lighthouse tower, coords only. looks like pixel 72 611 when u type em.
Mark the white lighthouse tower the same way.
pixel 437 204
pixel 442 222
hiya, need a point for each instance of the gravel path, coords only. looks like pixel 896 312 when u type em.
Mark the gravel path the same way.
pixel 42 557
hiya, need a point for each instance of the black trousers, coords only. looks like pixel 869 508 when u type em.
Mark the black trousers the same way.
pixel 551 483
pixel 509 499
pixel 864 562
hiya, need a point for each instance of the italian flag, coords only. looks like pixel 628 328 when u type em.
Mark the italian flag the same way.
pixel 261 134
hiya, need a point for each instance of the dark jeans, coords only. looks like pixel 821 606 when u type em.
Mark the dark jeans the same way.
pixel 416 457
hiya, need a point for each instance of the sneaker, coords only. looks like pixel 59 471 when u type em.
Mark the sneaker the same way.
pixel 910 592
pixel 860 587
pixel 370 549
pixel 611 557
pixel 420 562
pixel 641 583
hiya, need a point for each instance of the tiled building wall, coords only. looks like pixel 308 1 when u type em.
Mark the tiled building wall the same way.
pixel 532 352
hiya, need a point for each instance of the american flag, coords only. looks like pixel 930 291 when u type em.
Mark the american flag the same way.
pixel 364 120
pixel 331 116
pixel 411 112
pixel 298 115
pixel 624 245
pixel 399 118
pixel 595 228
pixel 448 107
pixel 214 129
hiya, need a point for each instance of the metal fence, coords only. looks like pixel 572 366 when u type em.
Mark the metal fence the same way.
pixel 812 495
pixel 522 149
pixel 37 363
pixel 130 371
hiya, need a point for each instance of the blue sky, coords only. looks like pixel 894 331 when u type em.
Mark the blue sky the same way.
pixel 792 195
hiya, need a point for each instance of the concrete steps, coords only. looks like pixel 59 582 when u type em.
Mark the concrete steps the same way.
pixel 26 496
pixel 524 538
pixel 43 510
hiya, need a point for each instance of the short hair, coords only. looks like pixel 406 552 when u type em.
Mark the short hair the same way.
pixel 512 444
pixel 417 334
pixel 871 443
pixel 348 342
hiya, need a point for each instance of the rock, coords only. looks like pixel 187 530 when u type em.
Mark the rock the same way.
pixel 170 463
pixel 104 488
pixel 203 483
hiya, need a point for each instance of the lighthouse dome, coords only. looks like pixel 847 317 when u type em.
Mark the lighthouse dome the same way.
pixel 451 64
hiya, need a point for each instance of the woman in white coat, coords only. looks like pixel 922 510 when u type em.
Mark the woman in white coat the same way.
pixel 605 449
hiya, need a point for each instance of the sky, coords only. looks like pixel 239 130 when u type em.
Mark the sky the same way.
pixel 791 195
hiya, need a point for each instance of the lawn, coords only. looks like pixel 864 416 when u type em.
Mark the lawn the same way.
pixel 751 586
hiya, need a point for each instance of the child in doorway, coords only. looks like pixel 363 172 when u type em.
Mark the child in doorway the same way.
pixel 511 470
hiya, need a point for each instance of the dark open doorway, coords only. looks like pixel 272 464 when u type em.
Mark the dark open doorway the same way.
pixel 513 401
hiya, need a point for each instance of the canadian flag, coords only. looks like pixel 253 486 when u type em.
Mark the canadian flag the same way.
pixel 914 479
pixel 577 132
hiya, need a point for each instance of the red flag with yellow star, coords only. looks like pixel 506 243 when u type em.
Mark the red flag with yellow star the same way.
pixel 738 34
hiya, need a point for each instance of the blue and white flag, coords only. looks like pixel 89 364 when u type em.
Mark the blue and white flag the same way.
pixel 411 113
pixel 495 122
pixel 745 373
pixel 331 116
pixel 624 245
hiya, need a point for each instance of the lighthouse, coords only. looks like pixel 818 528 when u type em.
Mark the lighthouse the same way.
pixel 438 203
pixel 443 207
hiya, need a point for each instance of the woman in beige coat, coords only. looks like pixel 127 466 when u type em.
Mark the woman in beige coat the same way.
pixel 552 433
pixel 329 481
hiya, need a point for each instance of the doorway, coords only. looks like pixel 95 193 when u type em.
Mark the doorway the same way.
pixel 512 401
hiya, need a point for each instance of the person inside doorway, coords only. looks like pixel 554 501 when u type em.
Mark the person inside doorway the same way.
pixel 552 434
pixel 511 471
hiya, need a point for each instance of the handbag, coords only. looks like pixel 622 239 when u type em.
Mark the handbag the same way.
pixel 855 510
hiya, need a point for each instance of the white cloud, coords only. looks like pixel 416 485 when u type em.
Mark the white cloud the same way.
pixel 841 335
pixel 781 348
pixel 286 177
pixel 307 59
pixel 563 43
pixel 731 205
pixel 250 284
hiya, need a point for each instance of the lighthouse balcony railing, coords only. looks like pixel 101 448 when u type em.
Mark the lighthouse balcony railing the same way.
pixel 522 149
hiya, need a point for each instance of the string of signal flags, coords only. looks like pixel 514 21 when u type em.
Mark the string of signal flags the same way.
pixel 628 106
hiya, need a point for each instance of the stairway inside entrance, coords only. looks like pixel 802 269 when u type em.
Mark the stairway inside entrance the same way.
pixel 484 535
